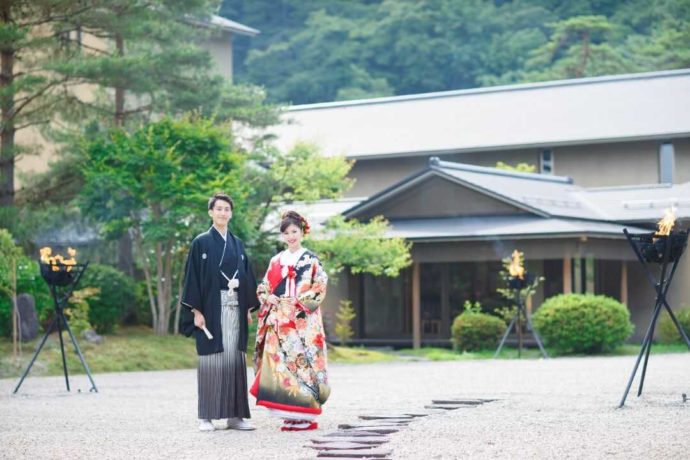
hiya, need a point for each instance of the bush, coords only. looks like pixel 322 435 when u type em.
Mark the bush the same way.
pixel 583 323
pixel 473 330
pixel 77 310
pixel 29 281
pixel 667 330
pixel 117 295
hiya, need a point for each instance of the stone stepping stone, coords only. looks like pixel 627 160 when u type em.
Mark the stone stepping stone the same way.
pixel 336 445
pixel 466 402
pixel 386 417
pixel 345 426
pixel 367 453
pixel 370 440
pixel 418 414
pixel 448 407
pixel 355 458
pixel 353 434
pixel 374 429
pixel 386 421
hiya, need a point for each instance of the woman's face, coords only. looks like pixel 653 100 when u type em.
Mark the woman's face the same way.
pixel 221 213
pixel 292 236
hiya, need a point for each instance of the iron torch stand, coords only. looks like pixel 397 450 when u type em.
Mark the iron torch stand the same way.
pixel 661 287
pixel 520 312
pixel 60 298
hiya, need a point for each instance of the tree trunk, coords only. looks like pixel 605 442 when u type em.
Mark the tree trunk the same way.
pixel 584 57
pixel 7 131
pixel 147 276
pixel 15 310
pixel 125 259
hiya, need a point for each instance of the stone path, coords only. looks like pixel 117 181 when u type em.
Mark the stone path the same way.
pixel 556 408
pixel 365 439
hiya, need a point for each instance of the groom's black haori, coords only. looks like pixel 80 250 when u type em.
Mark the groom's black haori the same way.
pixel 202 286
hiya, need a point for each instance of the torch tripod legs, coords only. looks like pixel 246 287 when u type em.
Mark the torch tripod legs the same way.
pixel 58 321
pixel 520 311
pixel 661 287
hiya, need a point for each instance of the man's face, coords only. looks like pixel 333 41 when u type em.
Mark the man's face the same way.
pixel 221 213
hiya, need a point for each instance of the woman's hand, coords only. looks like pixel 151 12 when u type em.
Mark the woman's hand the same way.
pixel 288 300
pixel 249 317
pixel 199 320
pixel 273 300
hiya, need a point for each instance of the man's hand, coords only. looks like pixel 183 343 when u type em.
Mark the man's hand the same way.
pixel 199 320
pixel 249 318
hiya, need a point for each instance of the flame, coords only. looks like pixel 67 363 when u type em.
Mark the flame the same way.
pixel 666 224
pixel 516 269
pixel 57 260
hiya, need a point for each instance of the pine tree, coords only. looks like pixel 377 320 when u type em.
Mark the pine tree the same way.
pixel 144 58
pixel 31 43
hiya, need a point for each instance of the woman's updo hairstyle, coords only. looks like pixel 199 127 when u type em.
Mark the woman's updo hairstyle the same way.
pixel 293 218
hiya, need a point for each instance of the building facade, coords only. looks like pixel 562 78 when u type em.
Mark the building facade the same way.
pixel 610 153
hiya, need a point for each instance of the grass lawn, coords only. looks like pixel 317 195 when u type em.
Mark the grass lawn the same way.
pixel 135 349
pixel 445 354
pixel 138 349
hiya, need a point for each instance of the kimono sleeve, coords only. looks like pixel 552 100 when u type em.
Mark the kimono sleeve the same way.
pixel 312 298
pixel 252 300
pixel 191 293
pixel 263 290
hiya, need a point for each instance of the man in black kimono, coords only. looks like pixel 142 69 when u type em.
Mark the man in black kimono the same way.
pixel 220 294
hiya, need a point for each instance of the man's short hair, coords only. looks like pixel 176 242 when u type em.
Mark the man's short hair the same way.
pixel 220 196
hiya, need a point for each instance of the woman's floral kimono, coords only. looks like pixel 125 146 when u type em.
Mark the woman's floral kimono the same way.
pixel 290 353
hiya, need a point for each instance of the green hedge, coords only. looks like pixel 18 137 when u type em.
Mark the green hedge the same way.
pixel 583 323
pixel 473 331
pixel 116 297
pixel 667 332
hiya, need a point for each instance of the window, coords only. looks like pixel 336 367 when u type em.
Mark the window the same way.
pixel 546 161
pixel 666 163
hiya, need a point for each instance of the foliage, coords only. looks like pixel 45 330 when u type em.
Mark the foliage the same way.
pixel 363 247
pixel 668 333
pixel 335 49
pixel 9 255
pixel 29 281
pixel 578 48
pixel 343 324
pixel 153 183
pixel 473 330
pixel 115 296
pixel 302 176
pixel 153 63
pixel 30 94
pixel 78 311
pixel 520 167
pixel 583 323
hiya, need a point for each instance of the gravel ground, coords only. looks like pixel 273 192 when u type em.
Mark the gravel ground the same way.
pixel 558 408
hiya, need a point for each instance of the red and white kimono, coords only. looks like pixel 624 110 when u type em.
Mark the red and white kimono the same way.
pixel 290 353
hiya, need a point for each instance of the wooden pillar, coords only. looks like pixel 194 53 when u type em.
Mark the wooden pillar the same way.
pixel 416 308
pixel 567 275
pixel 624 282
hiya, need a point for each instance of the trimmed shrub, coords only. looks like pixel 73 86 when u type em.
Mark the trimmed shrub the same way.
pixel 117 295
pixel 583 323
pixel 667 330
pixel 473 331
